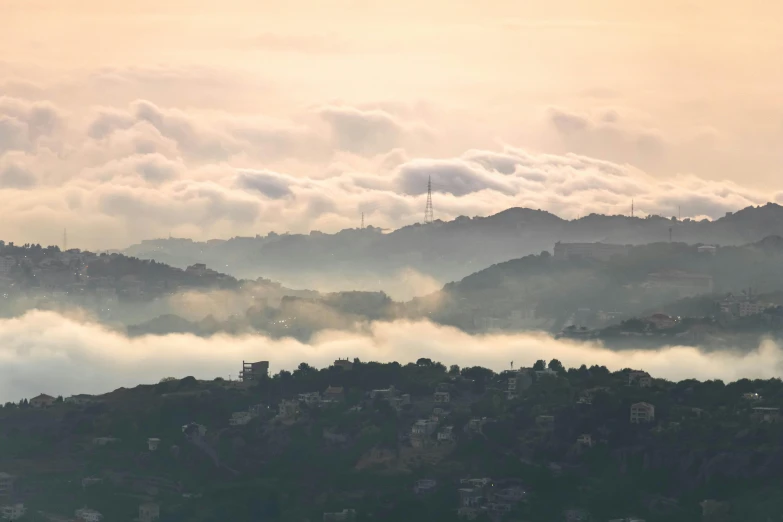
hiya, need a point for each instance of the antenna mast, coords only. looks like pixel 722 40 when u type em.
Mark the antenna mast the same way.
pixel 65 240
pixel 632 208
pixel 428 214
pixel 362 220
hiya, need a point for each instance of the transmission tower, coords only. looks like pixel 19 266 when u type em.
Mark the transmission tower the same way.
pixel 428 214
pixel 362 220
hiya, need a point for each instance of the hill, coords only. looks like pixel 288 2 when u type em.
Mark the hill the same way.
pixel 416 441
pixel 369 259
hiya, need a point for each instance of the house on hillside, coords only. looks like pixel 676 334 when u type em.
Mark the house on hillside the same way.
pixel 334 394
pixel 442 397
pixel 642 412
pixel 240 418
pixel 345 364
pixel 6 485
pixel 153 443
pixel 662 321
pixel 80 400
pixel 88 515
pixel 766 414
pixel 424 486
pixel 642 379
pixel 42 401
pixel 149 512
pixel 13 511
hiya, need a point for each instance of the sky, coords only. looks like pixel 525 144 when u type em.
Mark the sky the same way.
pixel 60 354
pixel 122 121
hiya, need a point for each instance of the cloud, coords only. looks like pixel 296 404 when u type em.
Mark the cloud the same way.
pixel 51 353
pixel 117 175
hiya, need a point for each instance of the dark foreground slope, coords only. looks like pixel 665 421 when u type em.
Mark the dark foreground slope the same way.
pixel 704 443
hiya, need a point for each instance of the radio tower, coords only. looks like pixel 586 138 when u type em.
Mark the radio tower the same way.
pixel 362 220
pixel 428 215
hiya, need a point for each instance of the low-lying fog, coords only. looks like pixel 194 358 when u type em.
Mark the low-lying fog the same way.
pixel 45 352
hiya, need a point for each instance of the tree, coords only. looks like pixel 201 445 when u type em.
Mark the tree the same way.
pixel 424 362
pixel 59 398
pixel 539 365
pixel 453 370
pixel 167 379
pixel 556 366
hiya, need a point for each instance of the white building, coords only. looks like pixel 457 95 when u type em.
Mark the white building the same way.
pixel 149 512
pixel 340 516
pixel 6 264
pixel 88 515
pixel 707 249
pixel 748 308
pixel 424 427
pixel 311 398
pixel 153 443
pixel 240 418
pixel 12 512
pixel 642 412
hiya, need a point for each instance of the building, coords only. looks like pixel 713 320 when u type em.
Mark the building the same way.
pixel 476 425
pixel 345 364
pixel 642 412
pixel 748 308
pixel 423 427
pixel 334 394
pixel 89 481
pixel 446 434
pixel 13 511
pixel 751 396
pixel 642 379
pixel 310 398
pixel 149 512
pixel 424 486
pixel 766 414
pixel 252 372
pixel 546 422
pixel 442 397
pixel 598 251
pixel 7 263
pixel 6 485
pixel 240 418
pixel 153 444
pixel 88 515
pixel 683 284
pixel 385 393
pixel 707 249
pixel 518 381
pixel 42 401
pixel 289 408
pixel 340 516
pixel 546 372
pixel 80 400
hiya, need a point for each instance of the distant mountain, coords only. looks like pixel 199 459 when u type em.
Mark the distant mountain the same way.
pixel 369 259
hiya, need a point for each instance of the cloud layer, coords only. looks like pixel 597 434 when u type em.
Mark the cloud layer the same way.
pixel 118 175
pixel 50 353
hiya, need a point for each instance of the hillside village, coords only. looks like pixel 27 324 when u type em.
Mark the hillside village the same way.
pixel 420 441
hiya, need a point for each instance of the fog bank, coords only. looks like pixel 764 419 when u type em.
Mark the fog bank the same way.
pixel 44 352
